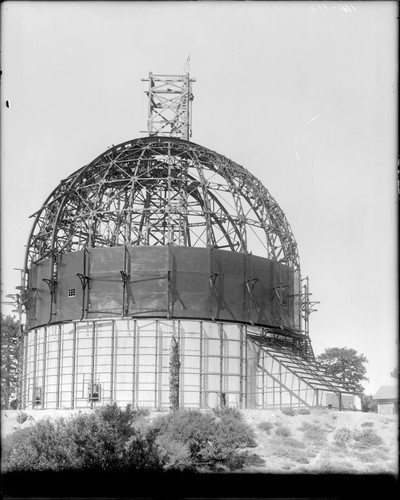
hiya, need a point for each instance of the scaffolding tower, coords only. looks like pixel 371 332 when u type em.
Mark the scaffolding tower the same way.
pixel 169 105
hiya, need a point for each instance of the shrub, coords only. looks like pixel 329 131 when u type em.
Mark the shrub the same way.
pixel 45 446
pixel 105 439
pixel 366 438
pixel 142 452
pixel 342 437
pixel 265 426
pixel 233 431
pixel 175 455
pixel 22 417
pixel 288 411
pixel 207 441
pixel 283 431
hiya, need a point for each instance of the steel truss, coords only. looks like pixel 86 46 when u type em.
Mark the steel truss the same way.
pixel 161 191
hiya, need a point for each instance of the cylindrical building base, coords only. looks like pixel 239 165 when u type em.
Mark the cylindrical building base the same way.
pixel 92 363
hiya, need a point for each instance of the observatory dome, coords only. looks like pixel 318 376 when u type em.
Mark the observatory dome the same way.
pixel 162 191
pixel 162 274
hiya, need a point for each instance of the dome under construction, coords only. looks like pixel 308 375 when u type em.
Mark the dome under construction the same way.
pixel 161 244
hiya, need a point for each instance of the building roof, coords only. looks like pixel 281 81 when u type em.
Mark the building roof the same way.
pixel 386 392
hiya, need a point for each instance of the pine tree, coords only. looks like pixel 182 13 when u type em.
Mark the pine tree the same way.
pixel 346 364
pixel 174 367
pixel 9 361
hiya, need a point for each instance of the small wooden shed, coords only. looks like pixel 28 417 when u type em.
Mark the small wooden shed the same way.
pixel 387 398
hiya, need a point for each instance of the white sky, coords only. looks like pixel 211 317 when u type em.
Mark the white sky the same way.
pixel 302 94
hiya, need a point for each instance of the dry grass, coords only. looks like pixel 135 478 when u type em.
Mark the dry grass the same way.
pixel 325 441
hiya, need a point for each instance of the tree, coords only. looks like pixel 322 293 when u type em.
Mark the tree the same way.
pixel 346 364
pixel 368 403
pixel 9 361
pixel 174 366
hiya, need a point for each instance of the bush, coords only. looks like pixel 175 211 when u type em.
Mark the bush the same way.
pixel 343 437
pixel 366 438
pixel 112 438
pixel 358 439
pixel 233 431
pixel 44 446
pixel 205 441
pixel 265 426
pixel 175 455
pixel 283 431
pixel 105 439
pixel 288 411
pixel 22 417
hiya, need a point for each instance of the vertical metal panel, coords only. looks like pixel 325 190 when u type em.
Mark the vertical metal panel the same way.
pixel 148 284
pixel 230 276
pixel 32 297
pixel 69 288
pixel 105 284
pixel 265 305
pixel 189 282
pixel 42 296
pixel 286 304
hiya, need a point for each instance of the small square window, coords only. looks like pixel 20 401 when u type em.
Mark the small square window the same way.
pixel 71 292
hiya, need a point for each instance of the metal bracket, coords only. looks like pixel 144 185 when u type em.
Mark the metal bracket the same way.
pixel 253 281
pixel 52 284
pixel 213 278
pixel 83 279
pixel 124 277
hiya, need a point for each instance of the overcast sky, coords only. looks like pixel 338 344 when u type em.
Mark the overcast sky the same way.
pixel 302 94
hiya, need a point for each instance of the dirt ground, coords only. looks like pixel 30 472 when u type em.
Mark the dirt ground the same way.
pixel 283 446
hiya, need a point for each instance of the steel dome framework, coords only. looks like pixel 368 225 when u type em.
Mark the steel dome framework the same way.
pixel 162 191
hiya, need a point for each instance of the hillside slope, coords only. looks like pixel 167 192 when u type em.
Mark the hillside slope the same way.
pixel 322 441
